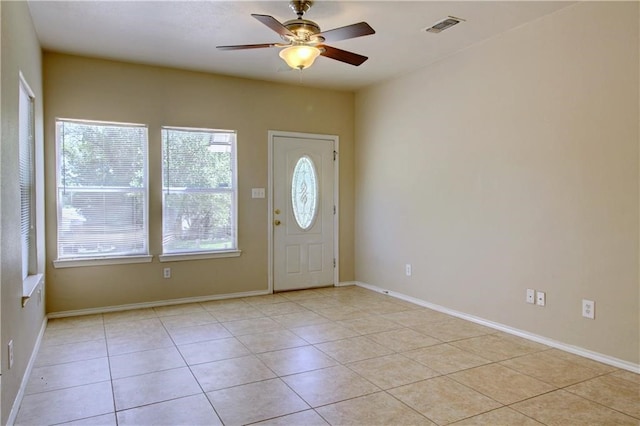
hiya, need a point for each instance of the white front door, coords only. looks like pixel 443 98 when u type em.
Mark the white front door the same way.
pixel 303 211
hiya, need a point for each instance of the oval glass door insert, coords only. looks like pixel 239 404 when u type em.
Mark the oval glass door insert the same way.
pixel 304 192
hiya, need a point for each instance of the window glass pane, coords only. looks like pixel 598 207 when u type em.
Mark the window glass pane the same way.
pixel 199 194
pixel 102 195
pixel 304 193
pixel 26 130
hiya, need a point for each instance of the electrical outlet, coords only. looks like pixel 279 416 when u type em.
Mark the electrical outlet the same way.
pixel 588 309
pixel 10 353
pixel 541 298
pixel 531 296
pixel 407 269
pixel 167 272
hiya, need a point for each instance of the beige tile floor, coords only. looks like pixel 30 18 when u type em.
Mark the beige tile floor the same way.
pixel 340 356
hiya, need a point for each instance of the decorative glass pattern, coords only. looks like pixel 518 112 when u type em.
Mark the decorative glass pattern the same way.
pixel 304 192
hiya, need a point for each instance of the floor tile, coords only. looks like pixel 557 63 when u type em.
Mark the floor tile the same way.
pixel 353 349
pixel 371 324
pixel 303 418
pixel 251 326
pixel 317 303
pixel 178 309
pixel 383 307
pixel 375 409
pixel 134 328
pixel 64 405
pixel 149 388
pixel 403 339
pixel 417 317
pixel 144 362
pixel 67 375
pixel 59 354
pixel 444 401
pixel 299 319
pixel 144 342
pixel 614 392
pixel 445 358
pixel 212 350
pixel 187 320
pixel 627 375
pixel 231 372
pixel 392 371
pixel 130 315
pixel 453 329
pixel 265 299
pixel 498 347
pixel 333 384
pixel 583 362
pixel 561 408
pixel 63 336
pixel 198 333
pixel 191 410
pixel 501 383
pixel 103 420
pixel 324 332
pixel 301 294
pixel 502 416
pixel 283 308
pixel 226 313
pixel 550 369
pixel 75 322
pixel 271 341
pixel 339 313
pixel 255 402
pixel 296 360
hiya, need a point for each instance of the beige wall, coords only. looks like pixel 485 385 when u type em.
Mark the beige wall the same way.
pixel 20 52
pixel 511 165
pixel 92 89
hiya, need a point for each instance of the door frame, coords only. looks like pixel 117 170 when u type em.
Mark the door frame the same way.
pixel 272 134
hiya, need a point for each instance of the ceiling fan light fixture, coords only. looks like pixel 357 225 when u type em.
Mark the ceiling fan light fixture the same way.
pixel 300 57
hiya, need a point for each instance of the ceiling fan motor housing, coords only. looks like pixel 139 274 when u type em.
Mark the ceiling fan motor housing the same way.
pixel 303 29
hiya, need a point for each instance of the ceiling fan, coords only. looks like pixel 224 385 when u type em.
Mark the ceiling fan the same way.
pixel 304 41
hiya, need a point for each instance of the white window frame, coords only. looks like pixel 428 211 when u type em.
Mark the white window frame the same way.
pixel 67 262
pixel 32 273
pixel 234 251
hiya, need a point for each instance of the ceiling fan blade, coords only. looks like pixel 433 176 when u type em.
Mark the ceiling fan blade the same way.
pixel 350 31
pixel 342 55
pixel 249 46
pixel 274 24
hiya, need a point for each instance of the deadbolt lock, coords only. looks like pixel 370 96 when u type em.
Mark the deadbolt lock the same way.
pixel 277 211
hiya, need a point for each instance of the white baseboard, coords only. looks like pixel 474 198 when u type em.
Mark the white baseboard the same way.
pixel 346 283
pixel 131 306
pixel 27 374
pixel 596 356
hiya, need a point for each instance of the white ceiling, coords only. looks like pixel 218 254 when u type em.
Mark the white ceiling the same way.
pixel 183 34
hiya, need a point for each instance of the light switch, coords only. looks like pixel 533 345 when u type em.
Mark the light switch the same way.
pixel 257 192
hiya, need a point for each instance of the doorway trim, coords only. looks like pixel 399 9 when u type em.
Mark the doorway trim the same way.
pixel 272 134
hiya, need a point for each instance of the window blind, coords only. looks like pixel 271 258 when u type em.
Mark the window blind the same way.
pixel 26 130
pixel 102 189
pixel 199 190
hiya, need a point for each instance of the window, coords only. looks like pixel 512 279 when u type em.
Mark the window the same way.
pixel 304 193
pixel 102 190
pixel 199 201
pixel 26 143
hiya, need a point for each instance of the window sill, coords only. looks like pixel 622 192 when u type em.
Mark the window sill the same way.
pixel 99 261
pixel 197 256
pixel 29 285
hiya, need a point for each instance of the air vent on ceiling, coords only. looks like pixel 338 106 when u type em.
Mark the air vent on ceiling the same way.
pixel 442 25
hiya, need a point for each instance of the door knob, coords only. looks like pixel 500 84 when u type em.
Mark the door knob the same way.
pixel 276 222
